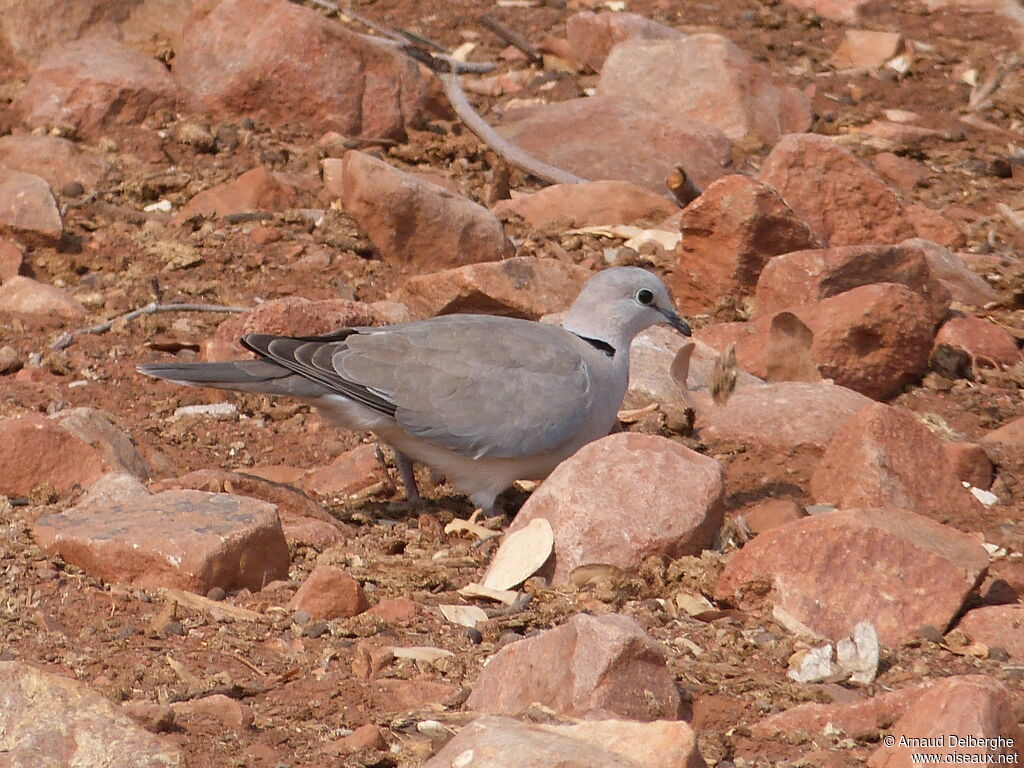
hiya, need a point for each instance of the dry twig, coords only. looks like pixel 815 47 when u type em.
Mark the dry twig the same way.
pixel 66 339
pixel 511 37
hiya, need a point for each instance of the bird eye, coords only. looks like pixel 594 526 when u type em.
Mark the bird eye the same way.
pixel 644 296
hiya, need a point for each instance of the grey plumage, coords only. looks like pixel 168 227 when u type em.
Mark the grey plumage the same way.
pixel 486 400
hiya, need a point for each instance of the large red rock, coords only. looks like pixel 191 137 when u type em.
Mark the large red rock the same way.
pixel 522 286
pixel 604 137
pixel 92 85
pixel 873 339
pixel 24 296
pixel 955 708
pixel 183 539
pixel 328 593
pixel 843 201
pixel 708 78
pixel 893 568
pixel 592 35
pixel 350 472
pixel 591 668
pixel 885 457
pixel 1009 437
pixel 255 190
pixel 296 316
pixel 58 161
pixel 853 719
pixel 803 277
pixel 729 234
pixel 500 742
pixel 591 204
pixel 786 415
pixel 51 720
pixel 988 344
pixel 624 498
pixel 28 208
pixel 281 63
pixel 963 285
pixel 997 626
pixel 35 450
pixel 415 222
pixel 934 226
pixel 28 30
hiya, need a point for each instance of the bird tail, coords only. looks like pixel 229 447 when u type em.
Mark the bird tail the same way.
pixel 261 376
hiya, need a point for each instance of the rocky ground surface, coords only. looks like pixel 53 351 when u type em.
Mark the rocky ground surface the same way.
pixel 806 542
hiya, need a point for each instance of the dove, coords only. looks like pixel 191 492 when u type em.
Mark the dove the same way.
pixel 484 400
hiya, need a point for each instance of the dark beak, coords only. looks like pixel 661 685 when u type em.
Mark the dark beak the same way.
pixel 676 321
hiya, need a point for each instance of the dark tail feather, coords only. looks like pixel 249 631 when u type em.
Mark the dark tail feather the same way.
pixel 244 376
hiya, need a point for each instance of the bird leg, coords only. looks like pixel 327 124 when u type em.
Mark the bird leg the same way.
pixel 404 466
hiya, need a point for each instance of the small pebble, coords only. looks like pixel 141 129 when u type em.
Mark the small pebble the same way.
pixel 930 633
pixel 173 628
pixel 217 593
pixel 507 637
pixel 998 654
pixel 473 635
pixel 72 189
pixel 301 617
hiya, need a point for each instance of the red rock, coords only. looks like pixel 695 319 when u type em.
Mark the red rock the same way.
pixel 27 30
pixel 963 285
pixel 522 286
pixel 902 172
pixel 770 514
pixel 25 296
pixel 500 742
pixel 255 190
pixel 624 498
pixel 865 48
pixel 349 473
pixel 58 161
pixel 859 718
pixel 290 502
pixel 837 10
pixel 708 78
pixel 396 610
pixel 416 222
pixel 932 225
pixel 1009 437
pixel 421 693
pixel 729 233
pixel 885 457
pixel 592 35
pixel 113 445
pixel 278 473
pixel 28 208
pixel 53 720
pixel 997 626
pixel 182 539
pixel 10 260
pixel 803 277
pixel 156 25
pixel 602 137
pixel 894 568
pixel 969 463
pixel 228 712
pixel 329 593
pixel 93 85
pixel 113 487
pixel 367 736
pixel 311 532
pixel 591 204
pixel 297 67
pixel 988 344
pixel 590 668
pixel 787 415
pixel 295 316
pixel 843 201
pixel 873 339
pixel 35 450
pixel 151 715
pixel 963 706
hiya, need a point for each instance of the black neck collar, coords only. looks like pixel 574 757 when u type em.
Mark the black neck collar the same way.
pixel 604 346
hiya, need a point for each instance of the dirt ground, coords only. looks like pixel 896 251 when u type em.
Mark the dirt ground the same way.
pixel 300 684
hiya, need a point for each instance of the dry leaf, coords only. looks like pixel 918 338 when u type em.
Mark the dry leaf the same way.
pixel 520 555
pixel 464 615
pixel 633 415
pixel 505 596
pixel 680 370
